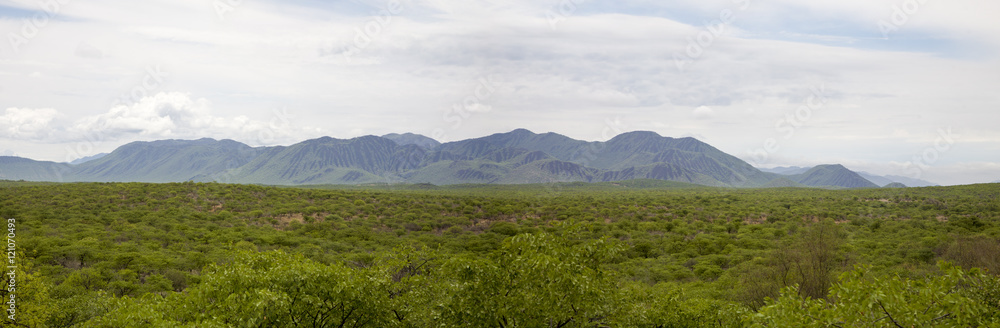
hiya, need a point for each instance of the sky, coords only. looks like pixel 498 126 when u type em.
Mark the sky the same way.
pixel 900 87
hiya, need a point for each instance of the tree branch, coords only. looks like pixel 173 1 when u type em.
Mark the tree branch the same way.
pixel 889 315
pixel 942 317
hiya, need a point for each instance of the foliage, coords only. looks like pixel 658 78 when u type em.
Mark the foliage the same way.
pixel 533 281
pixel 864 299
pixel 584 255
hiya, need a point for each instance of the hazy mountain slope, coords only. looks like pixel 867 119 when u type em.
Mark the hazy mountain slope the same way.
pixel 166 161
pixel 82 160
pixel 911 182
pixel 876 179
pixel 832 175
pixel 883 180
pixel 18 168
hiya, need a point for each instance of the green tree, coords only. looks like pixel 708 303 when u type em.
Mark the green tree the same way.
pixel 534 280
pixel 862 298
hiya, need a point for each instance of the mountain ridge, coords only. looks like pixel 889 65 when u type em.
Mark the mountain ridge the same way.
pixel 515 157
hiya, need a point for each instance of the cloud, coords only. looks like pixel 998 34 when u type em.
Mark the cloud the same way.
pixel 703 113
pixel 166 115
pixel 87 50
pixel 478 107
pixel 175 115
pixel 27 123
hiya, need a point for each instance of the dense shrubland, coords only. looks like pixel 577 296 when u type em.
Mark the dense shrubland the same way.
pixel 569 255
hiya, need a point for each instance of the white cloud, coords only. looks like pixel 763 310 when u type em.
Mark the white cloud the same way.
pixel 27 123
pixel 174 115
pixel 166 115
pixel 703 113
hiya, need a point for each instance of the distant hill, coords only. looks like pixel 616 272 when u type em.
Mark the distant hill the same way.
pixel 82 160
pixel 895 185
pixel 876 179
pixel 516 157
pixel 17 168
pixel 911 181
pixel 832 175
pixel 166 161
pixel 887 179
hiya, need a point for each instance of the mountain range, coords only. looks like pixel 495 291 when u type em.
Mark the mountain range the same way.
pixel 515 157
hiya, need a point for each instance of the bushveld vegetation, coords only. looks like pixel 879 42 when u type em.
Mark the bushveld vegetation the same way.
pixel 564 255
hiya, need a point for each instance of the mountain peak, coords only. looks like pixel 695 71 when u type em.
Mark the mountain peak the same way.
pixel 639 134
pixel 895 185
pixel 521 131
pixel 833 175
pixel 832 166
pixel 413 139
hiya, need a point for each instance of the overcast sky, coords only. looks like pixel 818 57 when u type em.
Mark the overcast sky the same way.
pixel 889 87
